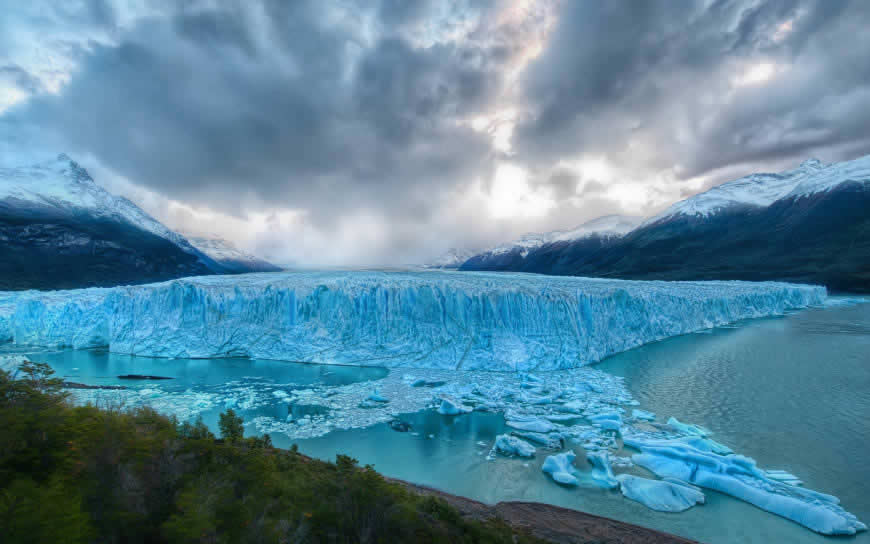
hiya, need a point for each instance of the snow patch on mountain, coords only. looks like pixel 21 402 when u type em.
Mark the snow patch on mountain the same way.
pixel 65 187
pixel 828 178
pixel 228 255
pixel 607 226
pixel 452 258
pixel 761 190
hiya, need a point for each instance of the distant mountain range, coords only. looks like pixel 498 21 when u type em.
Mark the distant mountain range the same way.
pixel 592 234
pixel 810 225
pixel 59 229
pixel 451 259
pixel 229 256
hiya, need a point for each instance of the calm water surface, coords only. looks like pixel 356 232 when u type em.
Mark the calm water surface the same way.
pixel 791 392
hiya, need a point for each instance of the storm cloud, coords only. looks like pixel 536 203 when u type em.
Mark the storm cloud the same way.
pixel 354 132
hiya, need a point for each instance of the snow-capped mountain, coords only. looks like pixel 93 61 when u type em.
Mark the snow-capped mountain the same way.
pixel 452 258
pixel 602 230
pixel 58 228
pixel 810 224
pixel 609 225
pixel 755 190
pixel 61 184
pixel 229 256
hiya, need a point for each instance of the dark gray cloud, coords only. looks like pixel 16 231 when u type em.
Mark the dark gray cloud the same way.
pixel 661 74
pixel 353 107
pixel 206 105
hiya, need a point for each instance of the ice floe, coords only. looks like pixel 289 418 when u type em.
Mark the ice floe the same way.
pixel 561 468
pixel 450 407
pixel 666 495
pixel 511 445
pixel 739 477
pixel 643 415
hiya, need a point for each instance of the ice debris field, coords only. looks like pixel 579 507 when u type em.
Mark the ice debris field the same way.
pixel 449 331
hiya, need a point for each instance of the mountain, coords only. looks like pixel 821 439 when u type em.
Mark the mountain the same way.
pixel 451 259
pixel 59 229
pixel 593 235
pixel 810 224
pixel 753 191
pixel 229 257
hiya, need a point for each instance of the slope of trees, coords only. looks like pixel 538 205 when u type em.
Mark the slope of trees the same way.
pixel 87 474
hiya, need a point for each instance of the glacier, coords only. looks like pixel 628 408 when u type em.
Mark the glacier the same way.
pixel 420 319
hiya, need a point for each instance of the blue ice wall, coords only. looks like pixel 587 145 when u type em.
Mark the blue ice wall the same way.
pixel 432 319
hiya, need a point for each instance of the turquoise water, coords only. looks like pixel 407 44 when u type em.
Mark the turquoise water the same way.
pixel 791 392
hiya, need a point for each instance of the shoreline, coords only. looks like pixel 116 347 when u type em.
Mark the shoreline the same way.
pixel 554 523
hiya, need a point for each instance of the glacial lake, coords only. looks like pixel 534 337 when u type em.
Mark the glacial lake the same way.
pixel 791 392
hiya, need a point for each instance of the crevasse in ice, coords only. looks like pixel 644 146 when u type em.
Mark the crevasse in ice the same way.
pixel 446 320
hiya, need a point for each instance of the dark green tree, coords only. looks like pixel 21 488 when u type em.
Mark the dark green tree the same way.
pixel 231 426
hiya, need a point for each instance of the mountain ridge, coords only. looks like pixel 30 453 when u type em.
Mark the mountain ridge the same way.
pixel 59 229
pixel 810 224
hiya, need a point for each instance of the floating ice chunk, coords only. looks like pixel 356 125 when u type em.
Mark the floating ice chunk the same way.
pixel 587 386
pixel 574 405
pixel 739 477
pixel 697 442
pixel 620 461
pixel 533 424
pixel 450 407
pixel 643 415
pixel 377 397
pixel 552 440
pixel 563 417
pixel 511 445
pixel 783 476
pixel 608 422
pixel 560 468
pixel 602 473
pixel 685 428
pixel 662 495
pixel 282 395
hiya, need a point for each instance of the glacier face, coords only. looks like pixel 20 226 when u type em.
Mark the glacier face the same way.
pixel 430 319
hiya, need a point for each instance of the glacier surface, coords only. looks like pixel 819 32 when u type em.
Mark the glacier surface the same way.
pixel 427 319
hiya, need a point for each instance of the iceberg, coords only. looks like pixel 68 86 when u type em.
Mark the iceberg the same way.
pixel 662 495
pixel 531 424
pixel 688 429
pixel 608 422
pixel 602 472
pixel 643 415
pixel 739 477
pixel 511 445
pixel 425 319
pixel 560 468
pixel 450 407
pixel 377 397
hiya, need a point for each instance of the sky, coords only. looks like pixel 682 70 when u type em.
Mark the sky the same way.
pixel 365 132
